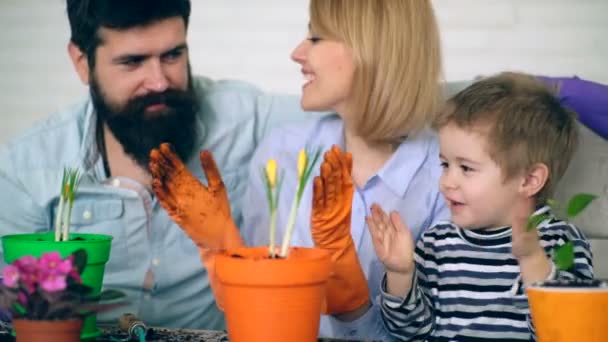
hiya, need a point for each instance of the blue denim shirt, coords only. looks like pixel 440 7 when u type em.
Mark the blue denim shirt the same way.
pixel 147 244
pixel 408 183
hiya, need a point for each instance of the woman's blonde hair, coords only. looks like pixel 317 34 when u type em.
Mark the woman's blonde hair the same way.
pixel 397 56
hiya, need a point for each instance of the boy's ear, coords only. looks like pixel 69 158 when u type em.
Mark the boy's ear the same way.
pixel 534 179
pixel 80 62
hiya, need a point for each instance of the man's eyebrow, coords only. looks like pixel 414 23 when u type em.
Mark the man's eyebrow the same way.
pixel 127 57
pixel 178 48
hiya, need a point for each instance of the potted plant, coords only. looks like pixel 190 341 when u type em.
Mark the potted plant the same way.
pixel 574 310
pixel 64 242
pixel 47 298
pixel 272 293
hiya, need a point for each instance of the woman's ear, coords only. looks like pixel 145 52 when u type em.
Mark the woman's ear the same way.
pixel 535 179
pixel 80 62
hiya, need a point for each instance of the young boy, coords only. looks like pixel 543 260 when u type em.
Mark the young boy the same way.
pixel 505 142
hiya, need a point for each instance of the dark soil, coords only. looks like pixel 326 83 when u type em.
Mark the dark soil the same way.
pixel 167 335
pixel 576 283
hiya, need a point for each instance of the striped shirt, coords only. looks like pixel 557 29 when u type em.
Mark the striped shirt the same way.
pixel 467 285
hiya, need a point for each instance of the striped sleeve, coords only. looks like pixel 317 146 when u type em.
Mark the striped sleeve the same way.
pixel 410 318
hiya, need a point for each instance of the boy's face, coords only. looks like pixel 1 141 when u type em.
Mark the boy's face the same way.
pixel 473 185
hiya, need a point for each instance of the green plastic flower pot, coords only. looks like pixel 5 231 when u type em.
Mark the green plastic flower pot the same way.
pixel 97 247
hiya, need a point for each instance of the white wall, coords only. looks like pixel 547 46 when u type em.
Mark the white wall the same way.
pixel 251 40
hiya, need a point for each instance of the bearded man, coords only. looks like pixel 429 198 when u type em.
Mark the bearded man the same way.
pixel 133 55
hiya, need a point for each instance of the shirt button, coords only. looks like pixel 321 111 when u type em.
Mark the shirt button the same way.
pixel 116 182
pixel 156 261
pixel 87 215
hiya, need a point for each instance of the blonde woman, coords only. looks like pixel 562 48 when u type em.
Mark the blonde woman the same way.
pixel 375 64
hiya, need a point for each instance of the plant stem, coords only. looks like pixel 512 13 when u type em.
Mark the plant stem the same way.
pixel 66 223
pixel 273 232
pixel 290 225
pixel 58 216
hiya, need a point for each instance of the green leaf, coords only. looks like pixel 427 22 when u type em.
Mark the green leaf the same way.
pixel 79 289
pixel 80 259
pixel 268 189
pixel 111 295
pixel 277 190
pixel 564 256
pixel 535 220
pixel 578 203
pixel 19 308
pixel 310 165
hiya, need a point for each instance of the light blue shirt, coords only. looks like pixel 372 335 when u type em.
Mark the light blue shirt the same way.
pixel 407 183
pixel 151 259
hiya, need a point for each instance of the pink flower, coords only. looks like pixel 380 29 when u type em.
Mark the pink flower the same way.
pixel 30 281
pixel 28 269
pixel 22 298
pixel 10 276
pixel 27 264
pixel 51 263
pixel 53 282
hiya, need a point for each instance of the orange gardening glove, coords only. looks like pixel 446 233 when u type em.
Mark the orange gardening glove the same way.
pixel 203 212
pixel 347 288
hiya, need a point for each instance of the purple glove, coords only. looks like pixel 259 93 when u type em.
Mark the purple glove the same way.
pixel 588 99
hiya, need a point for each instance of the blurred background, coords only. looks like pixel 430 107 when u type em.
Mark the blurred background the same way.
pixel 251 41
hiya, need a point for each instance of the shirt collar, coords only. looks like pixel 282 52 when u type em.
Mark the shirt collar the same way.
pixel 403 165
pixel 496 236
pixel 89 153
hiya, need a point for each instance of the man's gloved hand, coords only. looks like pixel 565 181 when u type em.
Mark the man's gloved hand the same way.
pixel 203 212
pixel 347 288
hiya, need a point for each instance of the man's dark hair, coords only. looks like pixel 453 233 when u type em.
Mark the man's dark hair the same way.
pixel 87 16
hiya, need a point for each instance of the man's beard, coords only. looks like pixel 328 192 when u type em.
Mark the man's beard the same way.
pixel 139 131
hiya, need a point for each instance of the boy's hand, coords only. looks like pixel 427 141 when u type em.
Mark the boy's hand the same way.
pixel 392 240
pixel 524 241
pixel 525 244
pixel 394 247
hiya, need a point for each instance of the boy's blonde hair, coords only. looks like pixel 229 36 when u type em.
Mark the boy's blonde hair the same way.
pixel 396 51
pixel 524 123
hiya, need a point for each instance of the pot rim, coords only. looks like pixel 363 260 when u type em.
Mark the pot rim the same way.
pixel 35 238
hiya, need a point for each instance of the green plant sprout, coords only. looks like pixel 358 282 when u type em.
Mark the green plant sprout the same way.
pixel 305 167
pixel 273 189
pixel 564 255
pixel 307 159
pixel 67 194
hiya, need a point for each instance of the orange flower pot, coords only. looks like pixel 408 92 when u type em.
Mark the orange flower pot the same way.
pixel 566 314
pixel 47 331
pixel 273 299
